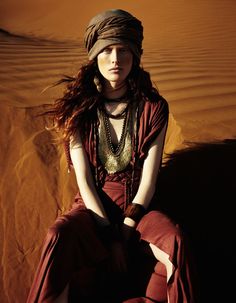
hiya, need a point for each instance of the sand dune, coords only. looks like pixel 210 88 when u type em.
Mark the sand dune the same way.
pixel 190 51
pixel 30 65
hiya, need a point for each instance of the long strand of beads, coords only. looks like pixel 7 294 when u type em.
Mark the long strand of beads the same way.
pixel 116 150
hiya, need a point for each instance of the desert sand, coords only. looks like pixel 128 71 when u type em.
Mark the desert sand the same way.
pixel 190 52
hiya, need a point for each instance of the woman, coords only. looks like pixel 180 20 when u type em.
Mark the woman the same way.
pixel 113 246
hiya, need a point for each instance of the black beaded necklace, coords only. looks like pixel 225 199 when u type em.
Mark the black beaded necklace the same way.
pixel 124 114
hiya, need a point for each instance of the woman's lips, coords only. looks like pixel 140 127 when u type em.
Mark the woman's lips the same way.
pixel 115 69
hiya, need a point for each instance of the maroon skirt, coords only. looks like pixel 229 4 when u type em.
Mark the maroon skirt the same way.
pixel 73 252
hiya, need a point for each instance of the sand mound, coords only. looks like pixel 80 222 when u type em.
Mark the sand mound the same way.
pixel 34 190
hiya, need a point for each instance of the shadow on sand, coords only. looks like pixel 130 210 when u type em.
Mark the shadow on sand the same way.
pixel 197 188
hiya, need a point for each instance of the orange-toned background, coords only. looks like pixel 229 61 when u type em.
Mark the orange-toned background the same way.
pixel 190 51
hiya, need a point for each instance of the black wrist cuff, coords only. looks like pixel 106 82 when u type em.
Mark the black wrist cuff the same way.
pixel 135 211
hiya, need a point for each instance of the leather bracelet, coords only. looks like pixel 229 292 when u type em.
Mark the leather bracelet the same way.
pixel 135 212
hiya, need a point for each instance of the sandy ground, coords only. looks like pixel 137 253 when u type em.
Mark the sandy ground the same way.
pixel 190 52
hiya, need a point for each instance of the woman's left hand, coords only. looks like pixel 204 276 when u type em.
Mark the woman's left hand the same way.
pixel 128 229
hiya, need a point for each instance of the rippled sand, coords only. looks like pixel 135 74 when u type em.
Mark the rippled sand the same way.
pixel 190 52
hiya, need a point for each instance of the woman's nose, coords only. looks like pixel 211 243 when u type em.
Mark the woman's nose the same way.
pixel 114 56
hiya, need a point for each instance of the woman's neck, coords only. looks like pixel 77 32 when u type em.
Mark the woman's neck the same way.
pixel 115 91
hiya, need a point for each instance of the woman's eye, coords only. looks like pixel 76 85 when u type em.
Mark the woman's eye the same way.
pixel 107 50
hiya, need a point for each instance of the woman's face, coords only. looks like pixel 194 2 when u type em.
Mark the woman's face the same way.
pixel 115 63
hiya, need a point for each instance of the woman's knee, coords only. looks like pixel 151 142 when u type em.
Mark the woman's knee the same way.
pixel 70 224
pixel 157 227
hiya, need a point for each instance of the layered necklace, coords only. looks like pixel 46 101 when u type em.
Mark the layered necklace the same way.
pixel 115 158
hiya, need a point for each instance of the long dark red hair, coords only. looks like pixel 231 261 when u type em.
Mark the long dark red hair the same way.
pixel 79 103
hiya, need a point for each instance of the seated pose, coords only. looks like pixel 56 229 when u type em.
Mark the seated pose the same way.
pixel 113 245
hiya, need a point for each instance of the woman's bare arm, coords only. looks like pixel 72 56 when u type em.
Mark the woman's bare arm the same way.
pixel 85 180
pixel 149 175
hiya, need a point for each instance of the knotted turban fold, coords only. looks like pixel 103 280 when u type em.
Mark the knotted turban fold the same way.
pixel 113 27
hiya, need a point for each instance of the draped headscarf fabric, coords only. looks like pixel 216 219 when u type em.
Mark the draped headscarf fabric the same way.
pixel 113 27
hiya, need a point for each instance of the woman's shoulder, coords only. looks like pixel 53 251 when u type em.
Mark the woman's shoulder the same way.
pixel 155 104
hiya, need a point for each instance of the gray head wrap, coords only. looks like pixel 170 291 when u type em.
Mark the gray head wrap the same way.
pixel 113 27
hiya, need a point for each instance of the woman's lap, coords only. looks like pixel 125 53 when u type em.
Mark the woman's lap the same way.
pixel 72 250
